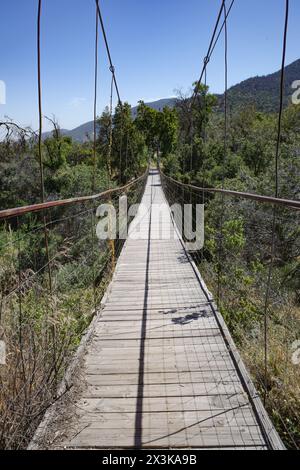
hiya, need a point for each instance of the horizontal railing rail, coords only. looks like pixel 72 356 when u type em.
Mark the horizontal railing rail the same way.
pixel 294 204
pixel 64 202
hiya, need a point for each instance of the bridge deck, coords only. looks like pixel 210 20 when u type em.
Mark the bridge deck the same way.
pixel 160 369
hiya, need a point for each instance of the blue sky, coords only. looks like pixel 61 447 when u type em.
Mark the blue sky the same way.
pixel 157 47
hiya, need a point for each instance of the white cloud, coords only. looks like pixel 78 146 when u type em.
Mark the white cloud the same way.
pixel 76 102
pixel 150 100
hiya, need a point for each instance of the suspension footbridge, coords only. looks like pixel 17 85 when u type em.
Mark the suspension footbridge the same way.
pixel 157 366
pixel 160 369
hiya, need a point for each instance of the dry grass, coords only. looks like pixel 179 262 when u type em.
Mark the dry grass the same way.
pixel 40 340
pixel 281 384
pixel 242 307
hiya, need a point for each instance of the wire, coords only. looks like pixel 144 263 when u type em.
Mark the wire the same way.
pixel 206 59
pixel 281 97
pixel 40 99
pixel 94 157
pixel 220 249
pixel 110 132
pixel 40 136
pixel 111 67
pixel 276 195
pixel 221 29
pixel 212 45
pixel 95 102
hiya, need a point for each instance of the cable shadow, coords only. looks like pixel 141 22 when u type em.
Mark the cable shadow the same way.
pixel 197 423
pixel 177 309
pixel 140 391
pixel 191 317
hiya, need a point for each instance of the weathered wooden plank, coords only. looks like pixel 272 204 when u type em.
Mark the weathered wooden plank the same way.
pixel 165 310
pixel 171 419
pixel 107 357
pixel 176 341
pixel 180 325
pixel 162 389
pixel 158 333
pixel 194 437
pixel 172 360
pixel 133 366
pixel 99 348
pixel 161 404
pixel 178 377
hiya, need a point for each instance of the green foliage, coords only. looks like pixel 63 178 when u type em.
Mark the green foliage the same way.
pixel 160 128
pixel 167 130
pixel 171 165
pixel 262 92
pixel 78 180
pixel 146 121
pixel 233 235
pixel 122 144
pixel 56 150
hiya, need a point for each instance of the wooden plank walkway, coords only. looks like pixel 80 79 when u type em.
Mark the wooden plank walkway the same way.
pixel 160 369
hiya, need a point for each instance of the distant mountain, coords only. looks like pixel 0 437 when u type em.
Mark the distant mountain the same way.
pixel 80 133
pixel 262 92
pixel 49 133
pixel 85 131
pixel 158 105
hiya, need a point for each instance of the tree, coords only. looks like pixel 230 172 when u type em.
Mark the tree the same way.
pixel 194 114
pixel 57 147
pixel 160 128
pixel 129 148
pixel 167 126
pixel 105 139
pixel 146 122
pixel 253 137
pixel 121 144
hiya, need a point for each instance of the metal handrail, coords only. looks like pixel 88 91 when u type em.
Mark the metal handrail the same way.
pixel 293 204
pixel 63 202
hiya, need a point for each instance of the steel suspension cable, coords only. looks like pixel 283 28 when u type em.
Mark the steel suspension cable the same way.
pixel 203 154
pixel 94 160
pixel 121 146
pixel 110 135
pixel 208 53
pixel 221 29
pixel 112 70
pixel 271 265
pixel 220 248
pixel 213 42
pixel 126 154
pixel 111 66
pixel 281 98
pixel 49 267
pixel 95 103
pixel 40 100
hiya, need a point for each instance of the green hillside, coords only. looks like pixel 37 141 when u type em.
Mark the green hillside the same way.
pixel 263 92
